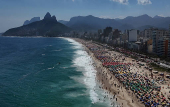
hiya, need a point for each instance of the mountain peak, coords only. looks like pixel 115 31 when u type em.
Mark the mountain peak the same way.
pixel 47 16
pixel 34 19
pixel 90 16
pixel 53 18
pixel 144 15
pixel 157 16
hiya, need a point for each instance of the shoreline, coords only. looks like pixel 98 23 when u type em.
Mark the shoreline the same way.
pixel 110 84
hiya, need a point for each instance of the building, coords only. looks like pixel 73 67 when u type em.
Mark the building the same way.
pixel 169 43
pixel 149 46
pixel 162 49
pixel 169 48
pixel 134 45
pixel 132 35
pixel 154 42
pixel 100 32
pixel 148 33
pixel 156 35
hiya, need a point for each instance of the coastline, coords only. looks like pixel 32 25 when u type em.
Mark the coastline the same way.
pixel 109 83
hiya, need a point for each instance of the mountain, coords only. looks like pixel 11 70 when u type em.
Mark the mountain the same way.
pixel 155 17
pixel 34 19
pixel 117 19
pixel 63 22
pixel 145 27
pixel 137 21
pixel 90 22
pixel 46 27
pixel 124 27
pixel 144 21
pixel 86 23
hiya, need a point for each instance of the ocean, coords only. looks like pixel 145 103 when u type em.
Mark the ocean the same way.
pixel 47 72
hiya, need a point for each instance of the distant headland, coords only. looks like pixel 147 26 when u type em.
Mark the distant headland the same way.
pixel 49 26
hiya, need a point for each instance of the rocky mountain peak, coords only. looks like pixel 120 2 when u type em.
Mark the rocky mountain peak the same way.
pixel 53 18
pixel 47 16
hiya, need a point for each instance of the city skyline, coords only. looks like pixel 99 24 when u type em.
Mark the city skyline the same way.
pixel 14 13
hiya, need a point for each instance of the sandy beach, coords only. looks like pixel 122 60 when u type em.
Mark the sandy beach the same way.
pixel 117 85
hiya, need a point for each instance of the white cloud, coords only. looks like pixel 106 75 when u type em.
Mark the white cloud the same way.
pixel 120 17
pixel 144 2
pixel 161 15
pixel 105 17
pixel 121 1
pixel 73 0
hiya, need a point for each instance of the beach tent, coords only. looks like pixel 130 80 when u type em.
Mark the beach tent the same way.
pixel 162 74
pixel 155 72
pixel 167 76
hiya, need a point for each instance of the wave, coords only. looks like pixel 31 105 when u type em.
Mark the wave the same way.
pixel 57 50
pixel 50 68
pixel 75 44
pixel 64 67
pixel 84 63
pixel 82 60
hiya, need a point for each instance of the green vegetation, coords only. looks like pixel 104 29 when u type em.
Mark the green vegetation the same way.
pixel 40 28
pixel 158 68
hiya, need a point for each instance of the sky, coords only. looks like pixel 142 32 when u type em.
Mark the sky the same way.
pixel 13 13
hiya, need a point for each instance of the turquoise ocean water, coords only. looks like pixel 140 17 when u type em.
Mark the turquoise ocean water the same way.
pixel 47 72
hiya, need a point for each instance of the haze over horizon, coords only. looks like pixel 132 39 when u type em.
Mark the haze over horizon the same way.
pixel 14 13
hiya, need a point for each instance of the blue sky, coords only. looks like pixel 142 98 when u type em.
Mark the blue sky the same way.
pixel 14 12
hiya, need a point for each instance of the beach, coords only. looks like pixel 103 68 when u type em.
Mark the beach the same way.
pixel 125 80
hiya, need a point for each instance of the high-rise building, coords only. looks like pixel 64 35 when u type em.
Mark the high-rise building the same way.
pixel 132 35
pixel 148 33
pixel 156 35
pixel 154 42
pixel 162 49
pixel 169 43
pixel 169 31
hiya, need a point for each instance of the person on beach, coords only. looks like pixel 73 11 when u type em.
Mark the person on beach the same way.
pixel 141 84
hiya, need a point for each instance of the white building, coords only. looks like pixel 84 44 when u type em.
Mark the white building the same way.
pixel 132 35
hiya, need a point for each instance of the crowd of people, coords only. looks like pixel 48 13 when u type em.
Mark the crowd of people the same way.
pixel 144 87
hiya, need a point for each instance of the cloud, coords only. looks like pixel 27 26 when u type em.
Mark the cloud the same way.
pixel 105 17
pixel 144 2
pixel 161 15
pixel 121 1
pixel 120 17
pixel 73 0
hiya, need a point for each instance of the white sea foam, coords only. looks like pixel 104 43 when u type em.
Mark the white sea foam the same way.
pixel 75 44
pixel 57 50
pixel 84 62
pixel 64 67
pixel 50 68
